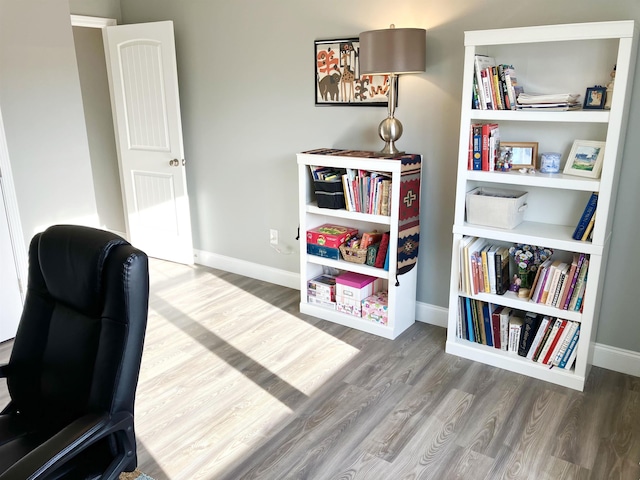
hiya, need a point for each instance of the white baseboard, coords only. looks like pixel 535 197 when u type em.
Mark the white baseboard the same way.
pixel 617 359
pixel 248 269
pixel 432 314
pixel 604 356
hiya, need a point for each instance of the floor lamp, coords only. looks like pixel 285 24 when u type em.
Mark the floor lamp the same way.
pixel 391 52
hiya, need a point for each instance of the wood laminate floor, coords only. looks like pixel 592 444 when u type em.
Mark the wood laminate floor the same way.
pixel 237 384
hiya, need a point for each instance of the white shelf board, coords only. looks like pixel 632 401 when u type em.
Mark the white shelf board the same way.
pixel 514 363
pixel 347 320
pixel 533 233
pixel 350 266
pixel 545 180
pixel 510 299
pixel 551 33
pixel 342 213
pixel 574 116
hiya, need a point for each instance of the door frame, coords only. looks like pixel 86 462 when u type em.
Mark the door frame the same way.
pixel 92 22
pixel 10 199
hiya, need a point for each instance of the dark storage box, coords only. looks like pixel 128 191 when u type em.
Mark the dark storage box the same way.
pixel 329 194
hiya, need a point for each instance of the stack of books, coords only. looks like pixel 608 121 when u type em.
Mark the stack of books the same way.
pixel 548 102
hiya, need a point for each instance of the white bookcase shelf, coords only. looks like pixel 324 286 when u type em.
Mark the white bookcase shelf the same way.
pixel 402 297
pixel 579 56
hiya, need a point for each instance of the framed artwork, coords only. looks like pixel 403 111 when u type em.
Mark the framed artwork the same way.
pixel 338 80
pixel 595 98
pixel 514 155
pixel 585 159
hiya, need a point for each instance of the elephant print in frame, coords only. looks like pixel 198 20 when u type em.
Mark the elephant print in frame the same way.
pixel 338 80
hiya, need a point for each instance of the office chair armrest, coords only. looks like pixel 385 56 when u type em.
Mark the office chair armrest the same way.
pixel 4 371
pixel 66 444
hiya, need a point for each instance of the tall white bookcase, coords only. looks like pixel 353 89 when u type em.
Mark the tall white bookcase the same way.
pixel 401 297
pixel 548 59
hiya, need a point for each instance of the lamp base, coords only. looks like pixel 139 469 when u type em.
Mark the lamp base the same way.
pixel 390 130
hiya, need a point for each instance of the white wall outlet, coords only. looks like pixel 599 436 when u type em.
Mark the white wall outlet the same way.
pixel 273 236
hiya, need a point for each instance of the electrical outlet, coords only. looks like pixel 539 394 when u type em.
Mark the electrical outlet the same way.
pixel 273 236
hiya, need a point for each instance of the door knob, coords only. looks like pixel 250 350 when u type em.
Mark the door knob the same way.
pixel 174 162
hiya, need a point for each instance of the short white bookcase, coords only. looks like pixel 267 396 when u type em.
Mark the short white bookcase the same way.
pixel 401 298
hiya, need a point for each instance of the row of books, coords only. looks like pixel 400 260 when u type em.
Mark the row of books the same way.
pixel 484 268
pixel 364 191
pixel 561 284
pixel 540 338
pixel 584 229
pixel 484 147
pixel 367 192
pixel 495 87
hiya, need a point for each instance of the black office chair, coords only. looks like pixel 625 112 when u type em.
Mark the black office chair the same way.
pixel 74 366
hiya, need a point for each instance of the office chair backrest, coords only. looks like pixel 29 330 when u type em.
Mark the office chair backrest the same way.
pixel 79 342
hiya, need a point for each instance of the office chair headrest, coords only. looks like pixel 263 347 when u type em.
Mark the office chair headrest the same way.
pixel 71 261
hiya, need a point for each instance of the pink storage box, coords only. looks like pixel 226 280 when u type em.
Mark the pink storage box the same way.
pixel 351 289
pixel 376 308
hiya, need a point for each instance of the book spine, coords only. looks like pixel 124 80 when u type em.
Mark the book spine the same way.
pixel 554 341
pixel 514 337
pixel 550 338
pixel 579 285
pixel 477 147
pixel 504 329
pixel 488 329
pixel 485 270
pixel 470 330
pixel 544 341
pixel 571 349
pixel 544 324
pixel 588 212
pixel 485 147
pixel 529 330
pixel 574 279
pixel 500 290
pixel 486 89
pixel 495 327
pixel 570 329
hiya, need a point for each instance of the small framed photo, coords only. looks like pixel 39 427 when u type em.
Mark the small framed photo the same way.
pixel 585 159
pixel 515 155
pixel 595 98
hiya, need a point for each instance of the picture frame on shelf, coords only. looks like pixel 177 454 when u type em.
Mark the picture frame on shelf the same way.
pixel 516 155
pixel 585 159
pixel 338 80
pixel 595 98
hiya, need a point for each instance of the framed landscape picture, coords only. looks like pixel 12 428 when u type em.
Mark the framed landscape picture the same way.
pixel 337 76
pixel 585 159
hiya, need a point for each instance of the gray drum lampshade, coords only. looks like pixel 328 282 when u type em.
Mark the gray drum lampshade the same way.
pixel 393 50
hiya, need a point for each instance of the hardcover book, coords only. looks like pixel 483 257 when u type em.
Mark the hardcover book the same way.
pixel 481 62
pixel 530 326
pixel 537 340
pixel 589 211
pixel 502 270
pixel 515 327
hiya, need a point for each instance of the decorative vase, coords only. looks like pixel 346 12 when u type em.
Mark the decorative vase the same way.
pixel 525 277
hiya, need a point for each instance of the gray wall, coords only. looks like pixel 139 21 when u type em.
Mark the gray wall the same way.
pixel 246 84
pixel 96 102
pixel 43 117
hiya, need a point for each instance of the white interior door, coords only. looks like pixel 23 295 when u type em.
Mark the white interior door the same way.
pixel 10 298
pixel 143 81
